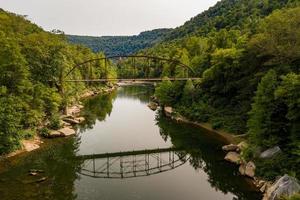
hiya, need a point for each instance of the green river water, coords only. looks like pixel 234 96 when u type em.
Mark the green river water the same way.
pixel 125 151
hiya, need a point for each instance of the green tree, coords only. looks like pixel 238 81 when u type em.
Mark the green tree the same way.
pixel 188 92
pixel 165 92
pixel 278 40
pixel 266 119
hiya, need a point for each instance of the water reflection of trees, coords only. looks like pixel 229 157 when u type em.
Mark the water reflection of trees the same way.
pixel 97 108
pixel 59 164
pixel 205 154
pixel 136 92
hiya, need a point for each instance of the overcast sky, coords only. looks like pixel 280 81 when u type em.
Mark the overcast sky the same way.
pixel 107 17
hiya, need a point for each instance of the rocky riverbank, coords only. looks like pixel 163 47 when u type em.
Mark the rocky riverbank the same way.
pixel 68 122
pixel 284 186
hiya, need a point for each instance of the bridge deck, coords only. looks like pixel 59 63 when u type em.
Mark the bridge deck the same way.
pixel 131 79
pixel 126 153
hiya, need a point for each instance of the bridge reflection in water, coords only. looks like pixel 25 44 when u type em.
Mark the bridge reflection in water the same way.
pixel 132 164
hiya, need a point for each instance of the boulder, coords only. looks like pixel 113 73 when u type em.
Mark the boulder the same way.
pixel 270 152
pixel 80 119
pixel 71 121
pixel 153 106
pixel 63 123
pixel 250 169
pixel 73 110
pixel 242 169
pixel 247 169
pixel 54 134
pixel 230 147
pixel 286 186
pixel 154 99
pixel 30 145
pixel 168 111
pixel 67 131
pixel 233 157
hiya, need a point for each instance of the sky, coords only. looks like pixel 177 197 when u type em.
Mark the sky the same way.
pixel 107 17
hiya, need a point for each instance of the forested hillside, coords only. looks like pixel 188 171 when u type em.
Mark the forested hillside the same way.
pixel 247 54
pixel 120 45
pixel 33 65
pixel 228 14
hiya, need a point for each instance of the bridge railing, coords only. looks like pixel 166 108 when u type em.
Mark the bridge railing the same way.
pixel 132 164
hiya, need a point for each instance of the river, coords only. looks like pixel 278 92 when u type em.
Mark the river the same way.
pixel 125 151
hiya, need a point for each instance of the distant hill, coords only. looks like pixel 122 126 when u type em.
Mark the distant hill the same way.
pixel 120 45
pixel 228 14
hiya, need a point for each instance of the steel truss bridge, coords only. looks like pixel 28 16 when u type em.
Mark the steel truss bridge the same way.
pixel 121 165
pixel 148 59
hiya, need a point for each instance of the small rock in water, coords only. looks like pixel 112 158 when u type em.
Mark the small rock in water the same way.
pixel 153 106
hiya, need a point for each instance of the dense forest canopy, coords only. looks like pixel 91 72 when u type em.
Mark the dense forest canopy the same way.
pixel 33 65
pixel 120 45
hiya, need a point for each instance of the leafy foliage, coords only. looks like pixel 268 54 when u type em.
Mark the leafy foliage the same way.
pixel 33 65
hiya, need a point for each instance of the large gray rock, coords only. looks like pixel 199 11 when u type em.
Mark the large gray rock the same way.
pixel 285 186
pixel 270 152
pixel 233 157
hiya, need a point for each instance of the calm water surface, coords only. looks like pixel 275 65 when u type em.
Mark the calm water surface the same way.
pixel 125 151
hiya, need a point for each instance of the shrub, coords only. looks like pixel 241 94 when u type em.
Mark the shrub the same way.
pixel 54 122
pixel 44 132
pixel 217 125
